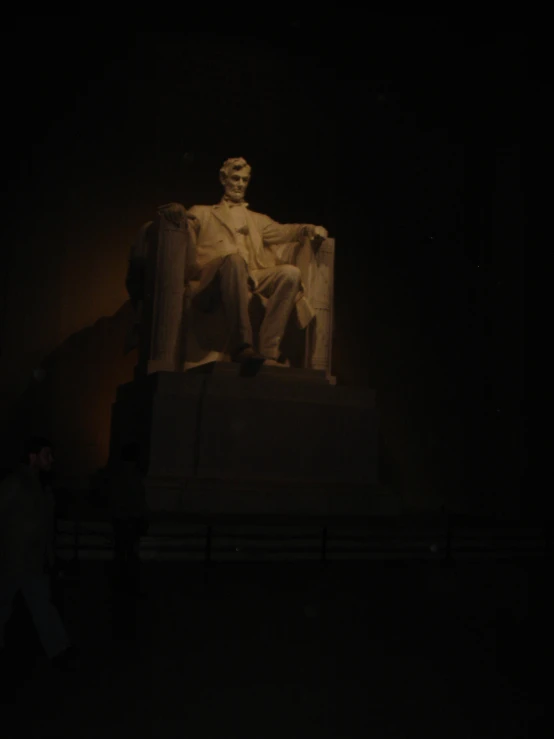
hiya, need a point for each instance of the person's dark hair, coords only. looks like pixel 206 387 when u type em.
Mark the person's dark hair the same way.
pixel 35 445
pixel 130 452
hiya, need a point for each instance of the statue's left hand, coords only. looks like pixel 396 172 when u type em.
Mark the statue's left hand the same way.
pixel 320 233
pixel 317 234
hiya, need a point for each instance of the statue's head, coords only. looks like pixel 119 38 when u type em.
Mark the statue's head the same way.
pixel 235 176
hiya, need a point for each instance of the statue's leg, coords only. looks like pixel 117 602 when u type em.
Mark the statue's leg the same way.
pixel 280 285
pixel 233 285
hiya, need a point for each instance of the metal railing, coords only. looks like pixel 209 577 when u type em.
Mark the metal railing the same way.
pixel 243 540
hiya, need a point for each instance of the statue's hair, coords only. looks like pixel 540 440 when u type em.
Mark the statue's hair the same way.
pixel 233 165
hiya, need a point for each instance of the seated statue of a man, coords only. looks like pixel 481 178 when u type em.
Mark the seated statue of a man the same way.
pixel 233 260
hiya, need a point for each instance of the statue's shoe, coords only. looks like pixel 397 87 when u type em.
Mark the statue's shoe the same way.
pixel 248 354
pixel 275 363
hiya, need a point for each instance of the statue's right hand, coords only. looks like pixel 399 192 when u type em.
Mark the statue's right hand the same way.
pixel 174 212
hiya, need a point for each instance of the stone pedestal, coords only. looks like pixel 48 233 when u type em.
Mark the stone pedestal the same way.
pixel 282 441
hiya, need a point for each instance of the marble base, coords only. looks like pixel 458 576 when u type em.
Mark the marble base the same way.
pixel 216 439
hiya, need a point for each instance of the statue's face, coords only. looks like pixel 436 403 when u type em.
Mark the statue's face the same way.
pixel 236 183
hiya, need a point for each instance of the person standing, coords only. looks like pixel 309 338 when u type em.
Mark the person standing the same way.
pixel 27 551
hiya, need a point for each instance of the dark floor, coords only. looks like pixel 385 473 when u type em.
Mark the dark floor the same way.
pixel 297 650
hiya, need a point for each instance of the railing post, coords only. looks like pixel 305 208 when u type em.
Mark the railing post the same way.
pixel 324 545
pixel 76 541
pixel 208 550
pixel 448 558
pixel 548 540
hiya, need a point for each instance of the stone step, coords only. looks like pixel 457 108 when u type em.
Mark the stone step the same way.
pixel 263 372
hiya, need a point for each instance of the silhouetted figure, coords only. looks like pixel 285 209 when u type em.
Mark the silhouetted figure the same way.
pixel 129 517
pixel 27 551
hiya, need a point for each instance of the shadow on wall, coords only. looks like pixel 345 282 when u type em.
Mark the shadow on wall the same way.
pixel 71 402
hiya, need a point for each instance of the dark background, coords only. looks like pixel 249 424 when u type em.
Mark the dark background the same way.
pixel 400 134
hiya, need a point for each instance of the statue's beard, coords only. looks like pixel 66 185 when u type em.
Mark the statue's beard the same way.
pixel 235 194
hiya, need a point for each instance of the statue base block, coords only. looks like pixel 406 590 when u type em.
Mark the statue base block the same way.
pixel 285 441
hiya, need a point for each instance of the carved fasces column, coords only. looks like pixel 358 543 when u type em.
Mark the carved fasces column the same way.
pixel 317 269
pixel 166 287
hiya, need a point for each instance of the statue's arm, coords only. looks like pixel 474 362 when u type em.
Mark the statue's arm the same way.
pixel 282 233
pixel 194 220
pixel 274 233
